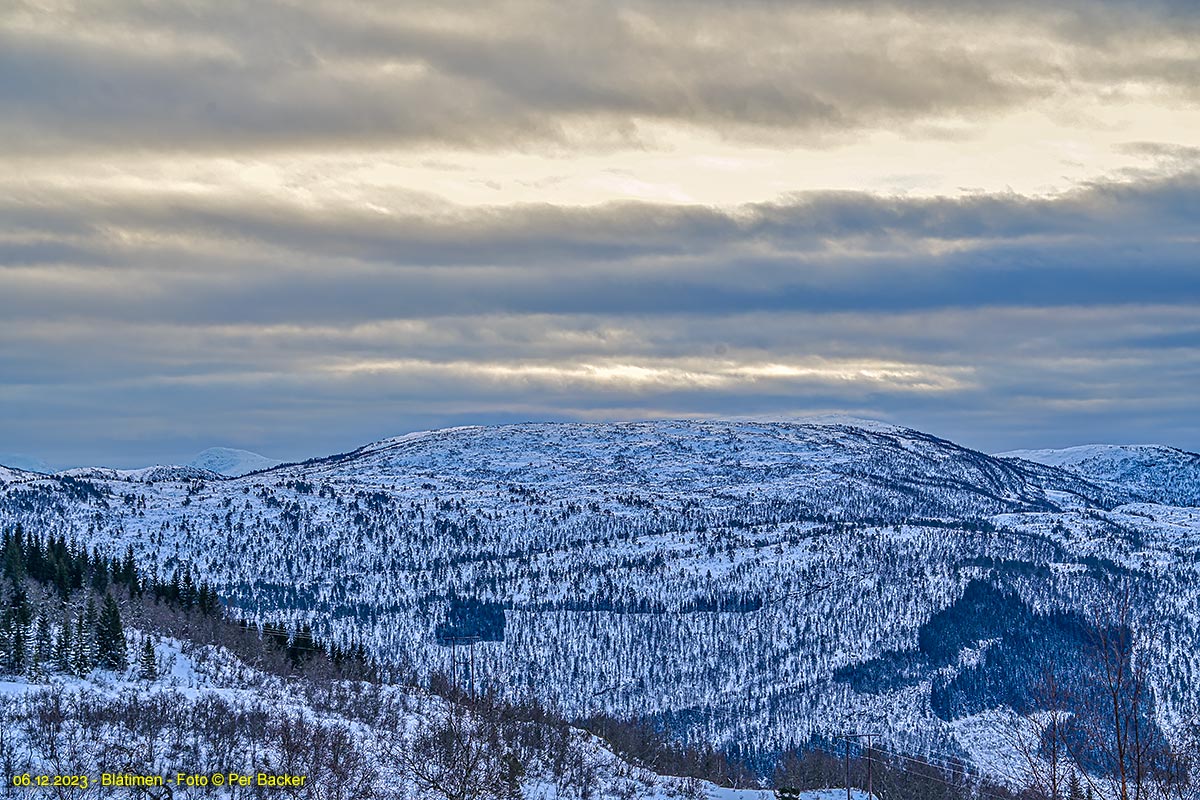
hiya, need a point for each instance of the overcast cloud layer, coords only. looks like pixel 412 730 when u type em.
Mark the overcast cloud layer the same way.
pixel 296 228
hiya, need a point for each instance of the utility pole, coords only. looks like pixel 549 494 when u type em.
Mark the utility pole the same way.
pixel 468 660
pixel 870 792
pixel 870 773
pixel 473 667
pixel 847 768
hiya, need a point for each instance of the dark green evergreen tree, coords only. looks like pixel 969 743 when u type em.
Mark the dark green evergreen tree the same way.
pixel 128 572
pixel 43 645
pixel 187 591
pixel 14 632
pixel 99 572
pixel 1075 790
pixel 64 649
pixel 210 604
pixel 85 640
pixel 14 555
pixel 110 637
pixel 147 663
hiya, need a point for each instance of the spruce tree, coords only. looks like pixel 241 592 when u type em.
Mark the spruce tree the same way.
pixel 14 631
pixel 147 664
pixel 13 563
pixel 85 640
pixel 1075 792
pixel 62 580
pixel 43 643
pixel 99 572
pixel 129 571
pixel 187 591
pixel 63 649
pixel 110 637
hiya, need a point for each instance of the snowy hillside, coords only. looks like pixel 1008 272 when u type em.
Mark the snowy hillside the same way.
pixel 9 475
pixel 1156 473
pixel 232 463
pixel 141 475
pixel 343 739
pixel 212 464
pixel 745 584
pixel 844 469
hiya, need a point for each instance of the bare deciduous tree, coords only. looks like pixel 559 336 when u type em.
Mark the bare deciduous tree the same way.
pixel 458 756
pixel 1043 745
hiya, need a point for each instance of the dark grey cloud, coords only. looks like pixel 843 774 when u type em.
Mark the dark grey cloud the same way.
pixel 188 261
pixel 134 331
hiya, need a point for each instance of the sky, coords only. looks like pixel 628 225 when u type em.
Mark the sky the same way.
pixel 297 227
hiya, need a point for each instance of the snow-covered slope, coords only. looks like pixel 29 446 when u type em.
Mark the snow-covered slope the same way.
pixel 745 583
pixel 153 474
pixel 852 469
pixel 209 713
pixel 212 464
pixel 1154 472
pixel 11 475
pixel 231 462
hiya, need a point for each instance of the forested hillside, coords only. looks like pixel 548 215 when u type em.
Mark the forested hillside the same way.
pixel 748 586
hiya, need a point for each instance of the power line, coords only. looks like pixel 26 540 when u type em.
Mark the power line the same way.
pixel 923 775
pixel 947 768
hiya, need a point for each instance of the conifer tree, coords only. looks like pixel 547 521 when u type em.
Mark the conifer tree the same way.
pixel 187 591
pixel 1075 790
pixel 99 572
pixel 147 663
pixel 85 640
pixel 210 604
pixel 64 650
pixel 129 571
pixel 62 580
pixel 43 643
pixel 13 555
pixel 110 637
pixel 14 632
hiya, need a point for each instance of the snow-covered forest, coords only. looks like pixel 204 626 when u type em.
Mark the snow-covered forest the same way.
pixel 754 588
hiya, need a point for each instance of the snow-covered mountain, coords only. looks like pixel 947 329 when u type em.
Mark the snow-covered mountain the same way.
pixel 160 472
pixel 212 464
pixel 11 475
pixel 231 462
pixel 850 469
pixel 1157 473
pixel 23 462
pixel 748 584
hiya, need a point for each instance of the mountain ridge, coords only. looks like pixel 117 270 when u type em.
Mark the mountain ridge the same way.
pixel 1158 473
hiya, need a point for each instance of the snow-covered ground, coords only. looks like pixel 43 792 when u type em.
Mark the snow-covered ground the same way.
pixel 107 706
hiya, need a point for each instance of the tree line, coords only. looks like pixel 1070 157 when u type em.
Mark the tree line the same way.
pixel 64 610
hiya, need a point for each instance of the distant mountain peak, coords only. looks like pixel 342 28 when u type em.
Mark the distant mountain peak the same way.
pixel 24 463
pixel 232 462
